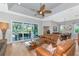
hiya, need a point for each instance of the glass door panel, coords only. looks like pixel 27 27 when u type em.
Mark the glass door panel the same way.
pixel 29 31
pixel 35 30
pixel 17 31
pixel 14 37
pixel 25 30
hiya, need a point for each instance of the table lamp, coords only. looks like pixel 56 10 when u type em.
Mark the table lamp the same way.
pixel 3 27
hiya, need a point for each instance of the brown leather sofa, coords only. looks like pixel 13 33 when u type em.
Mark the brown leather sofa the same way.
pixel 42 52
pixel 3 45
pixel 50 38
pixel 65 49
pixel 65 36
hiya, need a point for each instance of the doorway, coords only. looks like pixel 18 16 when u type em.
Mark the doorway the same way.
pixel 45 29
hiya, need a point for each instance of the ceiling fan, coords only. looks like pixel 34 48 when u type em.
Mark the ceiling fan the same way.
pixel 42 10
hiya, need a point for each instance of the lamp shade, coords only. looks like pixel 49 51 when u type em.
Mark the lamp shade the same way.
pixel 4 26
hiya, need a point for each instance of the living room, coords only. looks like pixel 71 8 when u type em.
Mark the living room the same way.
pixel 25 29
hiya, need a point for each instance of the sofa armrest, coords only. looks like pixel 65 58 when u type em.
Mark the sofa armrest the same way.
pixel 43 52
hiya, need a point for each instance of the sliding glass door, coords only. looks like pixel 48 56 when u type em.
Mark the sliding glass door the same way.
pixel 24 31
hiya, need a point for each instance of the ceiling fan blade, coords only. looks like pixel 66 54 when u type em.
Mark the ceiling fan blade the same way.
pixel 43 14
pixel 42 7
pixel 48 11
pixel 32 9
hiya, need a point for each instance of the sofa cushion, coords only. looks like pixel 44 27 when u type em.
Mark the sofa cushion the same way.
pixel 50 48
pixel 42 52
pixel 62 48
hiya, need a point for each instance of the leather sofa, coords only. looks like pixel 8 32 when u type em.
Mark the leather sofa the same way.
pixel 3 45
pixel 50 38
pixel 65 49
pixel 65 36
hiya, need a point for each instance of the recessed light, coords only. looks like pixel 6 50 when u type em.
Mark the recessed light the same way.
pixel 19 3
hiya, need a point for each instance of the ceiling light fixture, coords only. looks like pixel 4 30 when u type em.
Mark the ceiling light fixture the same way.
pixel 19 3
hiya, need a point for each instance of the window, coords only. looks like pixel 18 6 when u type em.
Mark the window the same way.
pixel 17 27
pixel 24 31
pixel 62 28
pixel 76 28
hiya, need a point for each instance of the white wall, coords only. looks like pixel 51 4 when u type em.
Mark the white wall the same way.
pixel 47 23
pixel 66 24
pixel 74 35
pixel 6 17
pixel 10 16
pixel 50 24
pixel 3 6
pixel 65 15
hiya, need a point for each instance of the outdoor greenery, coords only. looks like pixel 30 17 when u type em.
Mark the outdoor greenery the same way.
pixel 24 29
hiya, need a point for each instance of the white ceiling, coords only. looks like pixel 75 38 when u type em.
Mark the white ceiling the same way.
pixel 66 15
pixel 31 8
pixel 60 11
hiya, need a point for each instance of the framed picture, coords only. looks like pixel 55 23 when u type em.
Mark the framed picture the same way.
pixel 54 28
